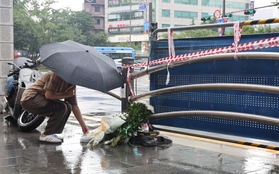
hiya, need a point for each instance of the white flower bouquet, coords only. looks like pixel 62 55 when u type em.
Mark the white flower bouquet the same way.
pixel 121 127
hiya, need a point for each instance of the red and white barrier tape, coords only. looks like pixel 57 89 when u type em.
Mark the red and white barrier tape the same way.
pixel 171 52
pixel 170 42
pixel 129 82
pixel 237 35
pixel 260 44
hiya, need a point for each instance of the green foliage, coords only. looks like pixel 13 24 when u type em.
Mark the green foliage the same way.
pixel 83 21
pixel 193 22
pixel 212 32
pixel 100 39
pixel 193 34
pixel 129 44
pixel 136 115
pixel 37 23
pixel 256 30
pixel 197 33
pixel 24 26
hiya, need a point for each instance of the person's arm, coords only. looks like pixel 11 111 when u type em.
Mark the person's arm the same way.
pixel 56 96
pixel 80 119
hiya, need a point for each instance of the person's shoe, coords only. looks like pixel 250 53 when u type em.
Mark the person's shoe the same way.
pixel 50 139
pixel 85 138
pixel 60 136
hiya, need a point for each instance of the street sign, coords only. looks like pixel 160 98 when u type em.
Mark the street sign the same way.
pixel 220 20
pixel 142 7
pixel 221 30
pixel 217 14
pixel 145 26
pixel 225 19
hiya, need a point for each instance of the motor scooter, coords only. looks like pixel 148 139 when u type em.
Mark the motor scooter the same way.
pixel 23 73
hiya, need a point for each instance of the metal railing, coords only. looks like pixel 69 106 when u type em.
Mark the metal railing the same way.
pixel 218 25
pixel 214 86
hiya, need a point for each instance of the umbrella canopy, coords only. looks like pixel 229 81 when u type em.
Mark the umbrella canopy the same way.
pixel 81 65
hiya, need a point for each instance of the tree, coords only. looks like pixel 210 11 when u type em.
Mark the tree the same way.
pixel 193 22
pixel 83 21
pixel 100 39
pixel 135 46
pixel 256 30
pixel 24 26
pixel 37 23
pixel 193 34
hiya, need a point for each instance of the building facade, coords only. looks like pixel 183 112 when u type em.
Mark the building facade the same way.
pixel 97 9
pixel 6 42
pixel 127 20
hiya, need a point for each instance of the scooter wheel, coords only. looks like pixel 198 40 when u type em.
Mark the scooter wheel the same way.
pixel 27 121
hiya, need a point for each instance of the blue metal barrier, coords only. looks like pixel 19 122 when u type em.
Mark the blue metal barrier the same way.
pixel 264 72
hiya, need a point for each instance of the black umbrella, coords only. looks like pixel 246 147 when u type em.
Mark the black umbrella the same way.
pixel 81 65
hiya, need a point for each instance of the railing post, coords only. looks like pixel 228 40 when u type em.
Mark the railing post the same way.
pixel 125 92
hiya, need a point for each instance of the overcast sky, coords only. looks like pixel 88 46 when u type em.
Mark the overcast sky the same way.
pixel 260 3
pixel 75 5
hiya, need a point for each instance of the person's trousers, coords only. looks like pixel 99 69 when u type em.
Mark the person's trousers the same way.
pixel 57 111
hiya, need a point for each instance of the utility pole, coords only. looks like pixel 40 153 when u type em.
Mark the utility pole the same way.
pixel 221 31
pixel 130 27
pixel 224 8
pixel 150 12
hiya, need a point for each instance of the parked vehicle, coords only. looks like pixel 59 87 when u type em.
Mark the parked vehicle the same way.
pixel 117 52
pixel 23 73
pixel 118 63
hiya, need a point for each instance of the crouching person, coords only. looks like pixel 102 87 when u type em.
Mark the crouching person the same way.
pixel 45 97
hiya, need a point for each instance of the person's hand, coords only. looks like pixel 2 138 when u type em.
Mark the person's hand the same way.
pixel 85 129
pixel 71 92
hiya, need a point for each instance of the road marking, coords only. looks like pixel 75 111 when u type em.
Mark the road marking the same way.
pixel 240 144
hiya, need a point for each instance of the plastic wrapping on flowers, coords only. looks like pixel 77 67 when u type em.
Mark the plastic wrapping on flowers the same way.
pixel 120 132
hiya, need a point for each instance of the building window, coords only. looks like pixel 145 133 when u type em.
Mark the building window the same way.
pixel 219 3
pixel 126 30
pixel 166 1
pixel 238 18
pixel 185 14
pixel 205 15
pixel 118 3
pixel 125 16
pixel 179 25
pixel 165 13
pixel 165 25
pixel 190 2
pixel 97 22
pixel 97 9
pixel 113 17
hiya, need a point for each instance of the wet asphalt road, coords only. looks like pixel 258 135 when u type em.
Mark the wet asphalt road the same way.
pixel 23 153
